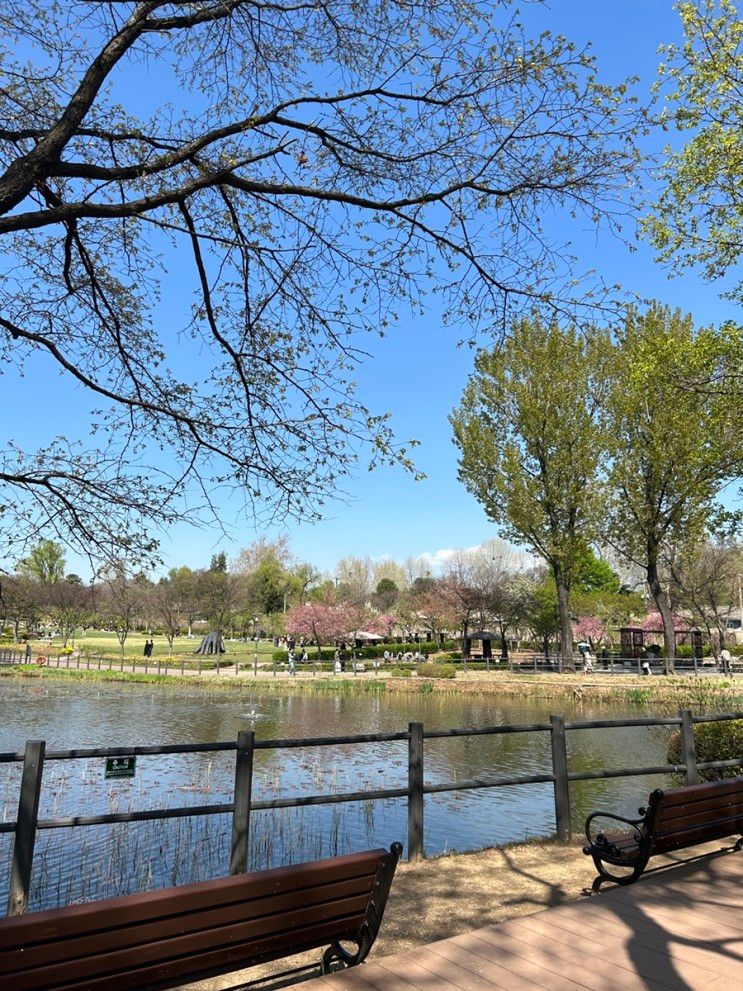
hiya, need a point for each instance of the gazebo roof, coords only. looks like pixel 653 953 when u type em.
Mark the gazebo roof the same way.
pixel 482 635
pixel 364 635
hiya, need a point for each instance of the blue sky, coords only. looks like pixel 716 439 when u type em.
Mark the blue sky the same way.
pixel 417 372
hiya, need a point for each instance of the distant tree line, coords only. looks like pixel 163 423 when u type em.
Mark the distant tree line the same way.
pixel 264 591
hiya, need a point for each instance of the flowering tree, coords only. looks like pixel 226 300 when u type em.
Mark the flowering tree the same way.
pixel 589 628
pixel 653 623
pixel 381 623
pixel 320 622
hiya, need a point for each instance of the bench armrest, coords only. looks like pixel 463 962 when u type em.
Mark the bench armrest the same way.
pixel 600 841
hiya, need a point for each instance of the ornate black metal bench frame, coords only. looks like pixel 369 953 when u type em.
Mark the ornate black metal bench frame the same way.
pixel 673 820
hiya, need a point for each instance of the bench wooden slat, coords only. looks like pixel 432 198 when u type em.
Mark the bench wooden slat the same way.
pixel 284 929
pixel 698 793
pixel 694 818
pixel 112 912
pixel 133 934
pixel 717 830
pixel 725 804
pixel 179 935
pixel 206 961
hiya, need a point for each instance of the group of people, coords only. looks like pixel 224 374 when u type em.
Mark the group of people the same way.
pixel 148 648
pixel 400 656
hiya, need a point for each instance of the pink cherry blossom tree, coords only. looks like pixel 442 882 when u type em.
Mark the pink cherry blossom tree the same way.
pixel 322 622
pixel 654 624
pixel 589 628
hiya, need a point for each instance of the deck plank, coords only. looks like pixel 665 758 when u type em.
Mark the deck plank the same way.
pixel 681 930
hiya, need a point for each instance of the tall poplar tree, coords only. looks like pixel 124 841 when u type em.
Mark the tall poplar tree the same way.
pixel 532 445
pixel 676 446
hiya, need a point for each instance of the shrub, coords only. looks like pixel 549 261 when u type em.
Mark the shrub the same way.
pixel 430 670
pixel 714 741
pixel 685 650
pixel 401 672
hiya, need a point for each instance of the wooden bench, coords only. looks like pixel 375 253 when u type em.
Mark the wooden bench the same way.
pixel 165 938
pixel 673 820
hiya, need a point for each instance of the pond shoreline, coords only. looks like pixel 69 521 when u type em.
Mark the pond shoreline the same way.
pixel 576 688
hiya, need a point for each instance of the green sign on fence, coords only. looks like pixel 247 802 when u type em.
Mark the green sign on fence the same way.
pixel 120 767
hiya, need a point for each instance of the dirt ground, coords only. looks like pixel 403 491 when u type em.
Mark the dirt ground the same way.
pixel 441 897
pixel 445 896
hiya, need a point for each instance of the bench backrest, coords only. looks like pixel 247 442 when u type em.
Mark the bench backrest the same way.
pixel 696 814
pixel 160 938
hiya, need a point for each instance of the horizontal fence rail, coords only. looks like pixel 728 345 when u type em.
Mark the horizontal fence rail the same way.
pixel 216 664
pixel 34 757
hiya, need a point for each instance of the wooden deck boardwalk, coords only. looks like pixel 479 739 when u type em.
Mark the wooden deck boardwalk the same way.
pixel 680 930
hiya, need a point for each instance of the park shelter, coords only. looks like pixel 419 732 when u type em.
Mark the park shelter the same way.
pixel 485 637
pixel 361 638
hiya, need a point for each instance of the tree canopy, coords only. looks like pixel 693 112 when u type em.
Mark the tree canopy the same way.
pixel 532 444
pixel 674 448
pixel 699 216
pixel 310 168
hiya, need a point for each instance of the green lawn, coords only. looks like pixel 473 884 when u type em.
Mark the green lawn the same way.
pixel 98 644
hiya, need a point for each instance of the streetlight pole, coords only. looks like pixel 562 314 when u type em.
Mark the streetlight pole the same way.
pixel 255 644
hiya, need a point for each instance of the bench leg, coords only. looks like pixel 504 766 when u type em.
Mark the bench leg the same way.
pixel 739 844
pixel 337 957
pixel 604 875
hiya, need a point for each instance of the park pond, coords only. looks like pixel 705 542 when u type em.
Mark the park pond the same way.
pixel 87 862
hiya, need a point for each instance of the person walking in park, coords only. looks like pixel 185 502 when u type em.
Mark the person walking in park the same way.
pixel 725 661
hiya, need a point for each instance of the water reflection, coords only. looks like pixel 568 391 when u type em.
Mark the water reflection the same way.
pixel 94 862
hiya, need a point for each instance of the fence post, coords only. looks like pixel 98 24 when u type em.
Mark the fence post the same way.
pixel 560 771
pixel 25 830
pixel 688 747
pixel 415 791
pixel 243 790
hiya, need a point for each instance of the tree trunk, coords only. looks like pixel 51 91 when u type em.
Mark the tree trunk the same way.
pixel 660 597
pixel 566 623
pixel 503 645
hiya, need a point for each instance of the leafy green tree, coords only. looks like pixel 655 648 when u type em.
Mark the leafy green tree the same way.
pixel 385 595
pixel 699 216
pixel 592 574
pixel 532 445
pixel 675 448
pixel 541 612
pixel 46 563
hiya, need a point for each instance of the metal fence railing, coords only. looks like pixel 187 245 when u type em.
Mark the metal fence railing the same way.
pixel 35 756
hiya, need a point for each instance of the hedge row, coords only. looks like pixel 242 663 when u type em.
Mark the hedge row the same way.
pixel 429 670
